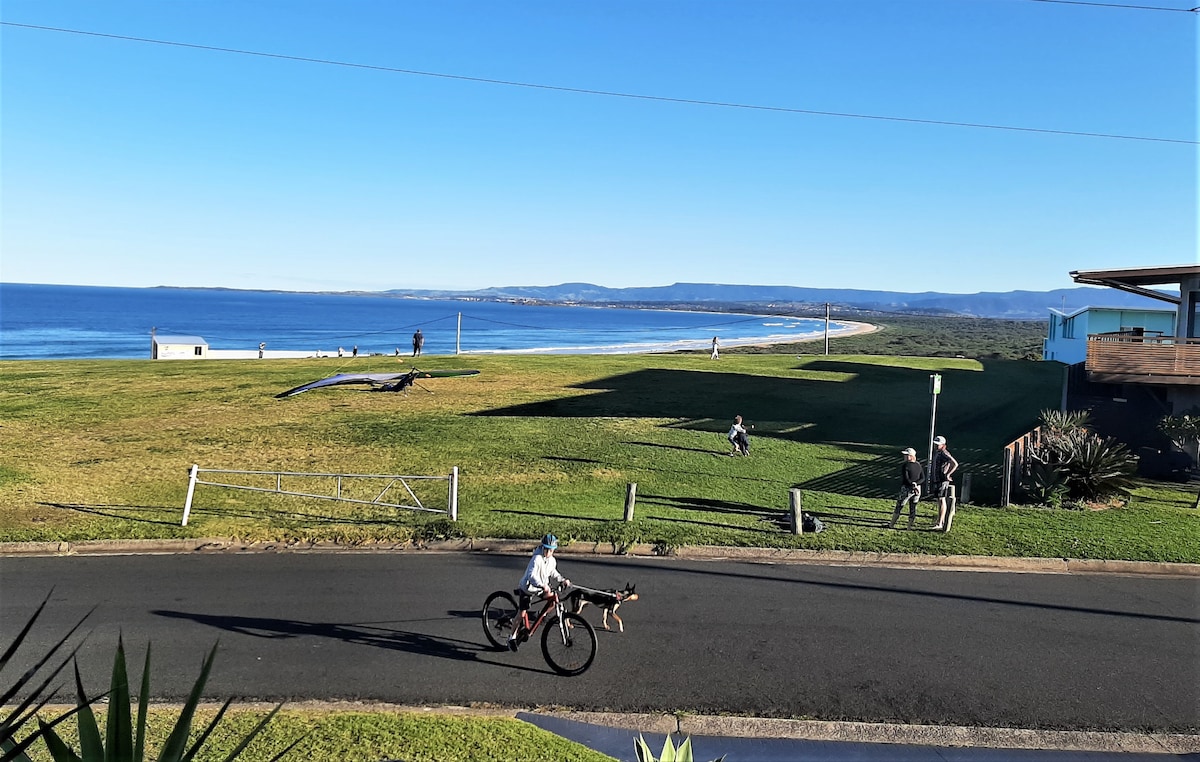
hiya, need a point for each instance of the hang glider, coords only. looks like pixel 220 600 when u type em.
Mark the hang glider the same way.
pixel 378 382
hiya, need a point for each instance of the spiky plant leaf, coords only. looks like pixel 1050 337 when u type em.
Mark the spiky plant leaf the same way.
pixel 91 746
pixel 56 746
pixel 119 727
pixel 175 747
pixel 139 743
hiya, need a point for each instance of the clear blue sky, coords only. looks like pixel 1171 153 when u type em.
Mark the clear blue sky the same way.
pixel 136 164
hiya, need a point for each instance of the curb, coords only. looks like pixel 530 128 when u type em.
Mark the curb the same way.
pixel 917 735
pixel 690 553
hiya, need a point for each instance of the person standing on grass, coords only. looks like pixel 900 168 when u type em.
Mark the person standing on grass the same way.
pixel 911 478
pixel 716 346
pixel 418 342
pixel 943 467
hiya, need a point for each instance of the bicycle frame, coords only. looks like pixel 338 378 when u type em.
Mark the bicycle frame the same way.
pixel 553 604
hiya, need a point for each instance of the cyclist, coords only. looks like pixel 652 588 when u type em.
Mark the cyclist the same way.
pixel 541 572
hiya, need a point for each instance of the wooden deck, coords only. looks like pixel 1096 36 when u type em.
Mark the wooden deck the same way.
pixel 1121 358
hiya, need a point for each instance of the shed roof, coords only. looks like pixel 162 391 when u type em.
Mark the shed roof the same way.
pixel 161 339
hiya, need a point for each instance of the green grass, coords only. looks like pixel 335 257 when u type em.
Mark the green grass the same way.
pixel 100 449
pixel 364 737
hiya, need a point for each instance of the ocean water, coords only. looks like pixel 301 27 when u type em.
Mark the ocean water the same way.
pixel 64 322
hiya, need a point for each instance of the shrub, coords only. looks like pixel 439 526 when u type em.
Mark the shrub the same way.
pixel 1073 462
pixel 1184 431
pixel 669 752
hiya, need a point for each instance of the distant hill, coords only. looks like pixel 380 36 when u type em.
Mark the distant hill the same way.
pixel 1012 305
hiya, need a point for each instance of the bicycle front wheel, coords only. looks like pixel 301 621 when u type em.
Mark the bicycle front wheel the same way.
pixel 499 618
pixel 569 649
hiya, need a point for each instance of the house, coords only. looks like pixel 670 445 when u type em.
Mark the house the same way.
pixel 177 347
pixel 1137 365
pixel 1066 341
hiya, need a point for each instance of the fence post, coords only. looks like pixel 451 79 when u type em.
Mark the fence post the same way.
pixel 966 495
pixel 187 505
pixel 454 493
pixel 630 499
pixel 1006 478
pixel 795 511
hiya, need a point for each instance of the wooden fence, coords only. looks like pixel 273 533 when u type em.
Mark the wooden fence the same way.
pixel 1018 454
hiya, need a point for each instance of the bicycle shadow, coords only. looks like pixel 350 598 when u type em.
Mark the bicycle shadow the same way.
pixel 370 634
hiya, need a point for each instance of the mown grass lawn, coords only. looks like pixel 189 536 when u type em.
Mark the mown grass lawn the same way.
pixel 101 449
pixel 348 736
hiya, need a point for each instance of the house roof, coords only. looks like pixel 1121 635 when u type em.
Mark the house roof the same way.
pixel 1098 308
pixel 160 339
pixel 1135 279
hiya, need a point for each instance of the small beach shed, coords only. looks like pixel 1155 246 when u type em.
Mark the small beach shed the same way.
pixel 177 348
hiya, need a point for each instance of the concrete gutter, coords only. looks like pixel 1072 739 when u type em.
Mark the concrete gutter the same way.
pixel 691 553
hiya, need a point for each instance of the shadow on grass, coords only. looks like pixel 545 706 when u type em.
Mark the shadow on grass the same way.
pixel 846 402
pixel 130 513
pixel 124 512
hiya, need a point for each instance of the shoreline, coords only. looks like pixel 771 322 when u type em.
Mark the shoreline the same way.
pixel 844 328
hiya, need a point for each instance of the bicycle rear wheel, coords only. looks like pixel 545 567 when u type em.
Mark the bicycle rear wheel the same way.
pixel 574 653
pixel 499 618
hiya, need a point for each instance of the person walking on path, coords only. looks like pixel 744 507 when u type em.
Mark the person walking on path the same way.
pixel 738 437
pixel 716 345
pixel 354 351
pixel 418 343
pixel 911 478
pixel 943 467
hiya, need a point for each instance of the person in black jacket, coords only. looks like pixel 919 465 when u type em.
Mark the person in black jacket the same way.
pixel 911 478
pixel 943 468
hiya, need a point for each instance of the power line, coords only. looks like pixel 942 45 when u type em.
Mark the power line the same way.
pixel 1120 5
pixel 609 93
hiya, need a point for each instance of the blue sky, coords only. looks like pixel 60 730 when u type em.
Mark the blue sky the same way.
pixel 136 164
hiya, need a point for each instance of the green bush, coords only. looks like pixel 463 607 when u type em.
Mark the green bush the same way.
pixel 1072 462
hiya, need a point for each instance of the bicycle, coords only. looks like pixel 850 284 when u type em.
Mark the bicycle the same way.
pixel 568 640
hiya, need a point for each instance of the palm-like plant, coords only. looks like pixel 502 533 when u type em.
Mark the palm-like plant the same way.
pixel 125 742
pixel 669 752
pixel 35 683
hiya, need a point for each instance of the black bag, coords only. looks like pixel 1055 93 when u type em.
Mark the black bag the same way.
pixel 811 524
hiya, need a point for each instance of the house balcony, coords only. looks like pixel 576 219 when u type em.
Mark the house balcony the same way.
pixel 1135 358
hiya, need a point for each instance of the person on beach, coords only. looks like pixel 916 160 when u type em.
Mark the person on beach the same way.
pixel 262 347
pixel 397 351
pixel 911 478
pixel 340 351
pixel 942 468
pixel 716 346
pixel 738 438
pixel 354 351
pixel 418 343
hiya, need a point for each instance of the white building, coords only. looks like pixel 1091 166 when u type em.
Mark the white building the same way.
pixel 1067 339
pixel 177 347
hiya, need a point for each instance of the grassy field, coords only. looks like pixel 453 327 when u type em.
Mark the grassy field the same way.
pixel 101 449
pixel 362 737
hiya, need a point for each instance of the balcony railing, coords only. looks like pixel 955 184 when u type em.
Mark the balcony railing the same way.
pixel 1141 358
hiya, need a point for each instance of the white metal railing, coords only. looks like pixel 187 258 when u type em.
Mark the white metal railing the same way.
pixel 452 510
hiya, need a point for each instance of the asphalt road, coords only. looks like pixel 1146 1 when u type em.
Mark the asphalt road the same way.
pixel 851 643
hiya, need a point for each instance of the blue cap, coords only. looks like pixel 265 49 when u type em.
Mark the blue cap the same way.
pixel 550 542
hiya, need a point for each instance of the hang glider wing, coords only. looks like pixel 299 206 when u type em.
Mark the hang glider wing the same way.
pixel 380 382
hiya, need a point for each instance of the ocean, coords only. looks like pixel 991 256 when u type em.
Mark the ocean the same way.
pixel 39 322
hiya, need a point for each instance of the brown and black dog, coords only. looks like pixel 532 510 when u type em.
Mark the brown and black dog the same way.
pixel 608 601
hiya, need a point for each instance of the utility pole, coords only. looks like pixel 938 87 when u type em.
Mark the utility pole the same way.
pixel 826 329
pixel 935 388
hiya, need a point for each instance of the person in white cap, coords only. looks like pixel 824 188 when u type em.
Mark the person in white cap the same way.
pixel 911 477
pixel 943 467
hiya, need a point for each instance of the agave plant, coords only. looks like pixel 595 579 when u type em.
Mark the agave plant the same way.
pixel 669 752
pixel 1100 467
pixel 34 682
pixel 123 741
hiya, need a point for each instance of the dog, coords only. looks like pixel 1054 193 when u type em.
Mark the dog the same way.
pixel 608 601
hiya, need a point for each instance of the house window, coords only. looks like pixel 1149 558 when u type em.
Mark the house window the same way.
pixel 198 351
pixel 1069 328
